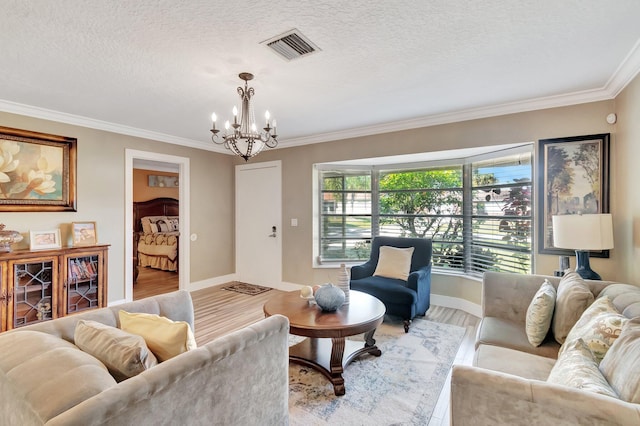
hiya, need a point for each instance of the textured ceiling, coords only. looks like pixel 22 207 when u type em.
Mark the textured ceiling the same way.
pixel 158 68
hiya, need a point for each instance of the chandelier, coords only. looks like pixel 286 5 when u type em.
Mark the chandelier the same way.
pixel 242 137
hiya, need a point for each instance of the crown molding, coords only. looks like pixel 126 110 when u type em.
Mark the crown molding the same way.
pixel 626 71
pixel 575 98
pixel 78 120
pixel 624 74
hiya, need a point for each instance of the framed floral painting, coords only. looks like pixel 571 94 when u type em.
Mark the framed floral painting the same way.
pixel 37 171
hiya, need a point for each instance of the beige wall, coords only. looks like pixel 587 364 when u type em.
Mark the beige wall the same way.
pixel 101 187
pixel 626 192
pixel 514 128
pixel 143 192
pixel 101 198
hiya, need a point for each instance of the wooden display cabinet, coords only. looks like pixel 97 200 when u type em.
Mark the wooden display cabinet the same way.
pixel 37 286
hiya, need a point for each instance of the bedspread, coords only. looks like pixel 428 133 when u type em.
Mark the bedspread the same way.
pixel 159 250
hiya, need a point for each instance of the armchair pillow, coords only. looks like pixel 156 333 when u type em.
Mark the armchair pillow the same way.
pixel 573 298
pixel 540 313
pixel 394 262
pixel 165 338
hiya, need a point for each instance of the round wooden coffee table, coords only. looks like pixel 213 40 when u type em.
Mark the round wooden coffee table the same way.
pixel 326 348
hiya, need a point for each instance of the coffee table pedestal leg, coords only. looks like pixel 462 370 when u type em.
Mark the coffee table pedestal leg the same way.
pixel 331 356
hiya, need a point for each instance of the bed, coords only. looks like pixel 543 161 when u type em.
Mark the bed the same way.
pixel 155 234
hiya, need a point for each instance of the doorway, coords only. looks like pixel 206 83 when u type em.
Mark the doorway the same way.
pixel 259 223
pixel 142 159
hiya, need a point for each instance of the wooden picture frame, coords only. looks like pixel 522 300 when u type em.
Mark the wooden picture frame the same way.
pixel 39 171
pixel 164 181
pixel 42 240
pixel 573 176
pixel 84 234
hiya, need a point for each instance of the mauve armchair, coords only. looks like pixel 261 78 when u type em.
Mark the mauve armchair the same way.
pixel 405 299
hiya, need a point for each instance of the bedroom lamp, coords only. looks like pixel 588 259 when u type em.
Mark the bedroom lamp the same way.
pixel 243 137
pixel 583 233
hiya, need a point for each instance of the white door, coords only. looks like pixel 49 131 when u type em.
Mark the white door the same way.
pixel 259 223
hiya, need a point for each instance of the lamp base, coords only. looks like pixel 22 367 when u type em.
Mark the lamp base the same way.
pixel 583 268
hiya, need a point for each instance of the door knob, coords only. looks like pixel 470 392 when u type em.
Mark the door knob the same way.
pixel 273 232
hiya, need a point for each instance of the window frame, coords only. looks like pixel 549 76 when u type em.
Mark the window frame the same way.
pixel 467 214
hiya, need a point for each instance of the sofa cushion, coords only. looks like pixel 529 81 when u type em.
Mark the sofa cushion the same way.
pixel 124 354
pixel 577 368
pixel 598 327
pixel 574 296
pixel 621 364
pixel 509 334
pixel 540 313
pixel 394 262
pixel 52 374
pixel 511 361
pixel 164 337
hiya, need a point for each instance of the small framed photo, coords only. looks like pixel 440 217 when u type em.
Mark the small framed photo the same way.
pixel 42 240
pixel 84 234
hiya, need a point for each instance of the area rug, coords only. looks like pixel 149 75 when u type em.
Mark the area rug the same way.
pixel 401 387
pixel 244 288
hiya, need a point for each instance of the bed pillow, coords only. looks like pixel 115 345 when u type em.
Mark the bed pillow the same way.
pixel 572 299
pixel 540 313
pixel 174 223
pixel 149 224
pixel 164 337
pixel 394 262
pixel 124 354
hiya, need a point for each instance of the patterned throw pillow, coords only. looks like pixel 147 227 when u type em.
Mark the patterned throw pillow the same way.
pixel 599 326
pixel 540 313
pixel 621 364
pixel 577 368
pixel 573 298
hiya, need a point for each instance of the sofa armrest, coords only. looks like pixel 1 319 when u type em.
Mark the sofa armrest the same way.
pixel 363 271
pixel 240 378
pixel 483 397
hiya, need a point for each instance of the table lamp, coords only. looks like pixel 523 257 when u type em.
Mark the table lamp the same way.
pixel 583 232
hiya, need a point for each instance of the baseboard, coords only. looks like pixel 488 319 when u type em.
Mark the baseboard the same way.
pixel 210 282
pixel 117 302
pixel 457 303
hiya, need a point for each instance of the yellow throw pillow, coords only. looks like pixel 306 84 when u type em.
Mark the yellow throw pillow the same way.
pixel 165 338
pixel 394 262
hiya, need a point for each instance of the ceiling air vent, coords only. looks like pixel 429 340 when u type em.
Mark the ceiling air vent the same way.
pixel 291 45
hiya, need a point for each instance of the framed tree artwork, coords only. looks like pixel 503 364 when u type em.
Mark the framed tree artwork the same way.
pixel 573 176
pixel 37 171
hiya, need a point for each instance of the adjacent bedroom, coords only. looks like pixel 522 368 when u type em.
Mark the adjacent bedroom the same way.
pixel 155 229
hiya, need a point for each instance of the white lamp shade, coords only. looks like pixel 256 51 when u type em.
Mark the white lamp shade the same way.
pixel 583 232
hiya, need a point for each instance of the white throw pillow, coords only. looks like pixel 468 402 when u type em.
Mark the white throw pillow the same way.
pixel 394 262
pixel 540 313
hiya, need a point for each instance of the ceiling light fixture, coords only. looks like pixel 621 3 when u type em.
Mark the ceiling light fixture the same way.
pixel 242 137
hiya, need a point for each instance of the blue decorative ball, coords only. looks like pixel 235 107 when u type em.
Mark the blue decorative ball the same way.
pixel 329 297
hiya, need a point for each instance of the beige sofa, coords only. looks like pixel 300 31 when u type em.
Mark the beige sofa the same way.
pixel 238 379
pixel 507 383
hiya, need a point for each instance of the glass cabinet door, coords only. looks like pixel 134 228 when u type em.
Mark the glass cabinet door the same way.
pixel 82 282
pixel 33 293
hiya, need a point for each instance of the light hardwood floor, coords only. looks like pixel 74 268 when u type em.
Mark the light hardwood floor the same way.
pixel 154 281
pixel 219 312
